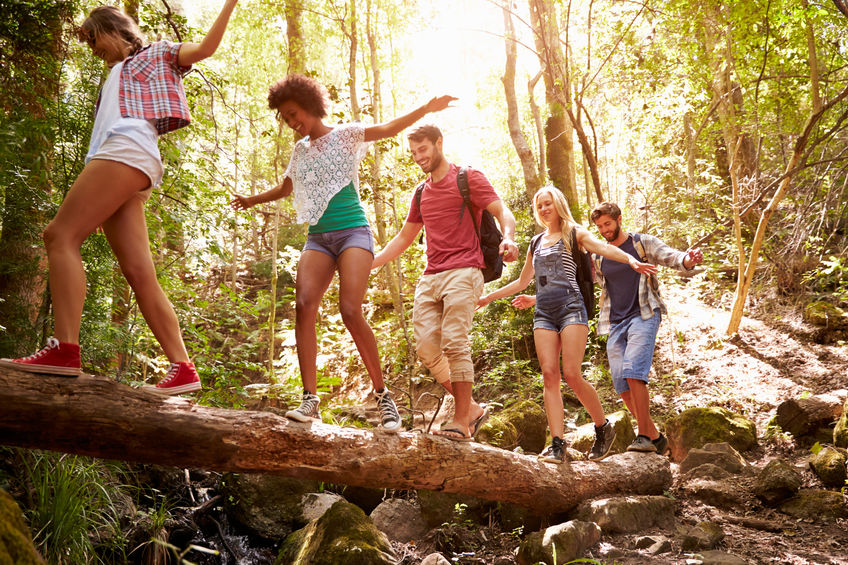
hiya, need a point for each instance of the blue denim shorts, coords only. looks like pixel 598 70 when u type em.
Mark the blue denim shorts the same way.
pixel 334 242
pixel 556 318
pixel 630 349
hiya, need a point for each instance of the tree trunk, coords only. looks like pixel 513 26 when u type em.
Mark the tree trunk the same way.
pixel 525 153
pixel 96 416
pixel 559 131
pixel 294 36
pixel 803 416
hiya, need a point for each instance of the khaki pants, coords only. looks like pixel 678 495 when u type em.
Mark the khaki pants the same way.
pixel 442 313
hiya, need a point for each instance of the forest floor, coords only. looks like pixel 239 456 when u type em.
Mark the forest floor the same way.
pixel 773 357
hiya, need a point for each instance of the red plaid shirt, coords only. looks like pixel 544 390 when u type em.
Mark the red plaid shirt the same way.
pixel 152 87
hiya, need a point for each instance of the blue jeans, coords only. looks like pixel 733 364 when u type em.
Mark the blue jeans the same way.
pixel 334 242
pixel 630 349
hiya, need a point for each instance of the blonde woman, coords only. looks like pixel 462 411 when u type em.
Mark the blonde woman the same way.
pixel 560 322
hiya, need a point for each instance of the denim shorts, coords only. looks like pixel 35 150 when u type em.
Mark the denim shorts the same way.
pixel 630 349
pixel 557 317
pixel 334 242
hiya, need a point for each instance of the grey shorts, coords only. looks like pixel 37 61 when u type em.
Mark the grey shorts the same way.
pixel 334 242
pixel 556 318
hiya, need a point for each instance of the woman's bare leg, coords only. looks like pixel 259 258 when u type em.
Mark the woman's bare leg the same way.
pixel 314 273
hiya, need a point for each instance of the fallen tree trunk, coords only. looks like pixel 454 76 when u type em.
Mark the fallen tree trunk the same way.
pixel 98 417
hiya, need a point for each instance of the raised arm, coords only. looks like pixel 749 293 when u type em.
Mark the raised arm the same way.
pixel 507 223
pixel 519 284
pixel 589 243
pixel 397 125
pixel 191 53
pixel 397 245
pixel 241 202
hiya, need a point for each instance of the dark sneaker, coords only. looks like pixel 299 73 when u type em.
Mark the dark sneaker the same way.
pixel 389 417
pixel 661 444
pixel 54 359
pixel 643 444
pixel 604 436
pixel 308 409
pixel 555 452
pixel 180 379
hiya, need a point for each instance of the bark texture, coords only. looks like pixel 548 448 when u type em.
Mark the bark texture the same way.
pixel 98 417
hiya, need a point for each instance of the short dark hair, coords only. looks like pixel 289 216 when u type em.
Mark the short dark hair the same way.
pixel 606 208
pixel 305 91
pixel 110 19
pixel 427 131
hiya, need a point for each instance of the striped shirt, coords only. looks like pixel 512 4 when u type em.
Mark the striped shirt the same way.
pixel 152 87
pixel 657 253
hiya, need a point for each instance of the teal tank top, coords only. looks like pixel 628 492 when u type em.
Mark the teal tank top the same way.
pixel 343 211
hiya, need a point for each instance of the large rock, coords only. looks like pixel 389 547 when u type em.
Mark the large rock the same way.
pixel 401 520
pixel 719 454
pixel 840 432
pixel 15 539
pixel 438 508
pixel 776 482
pixel 696 427
pixel 715 557
pixel 523 424
pixel 344 535
pixel 829 466
pixel 814 504
pixel 808 416
pixel 269 506
pixel 628 514
pixel 558 544
pixel 721 493
pixel 583 438
pixel 704 535
pixel 825 314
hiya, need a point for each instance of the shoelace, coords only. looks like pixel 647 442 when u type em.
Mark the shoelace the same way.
pixel 387 407
pixel 172 374
pixel 52 343
pixel 309 404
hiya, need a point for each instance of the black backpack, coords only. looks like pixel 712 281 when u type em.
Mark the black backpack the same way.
pixel 582 259
pixel 488 234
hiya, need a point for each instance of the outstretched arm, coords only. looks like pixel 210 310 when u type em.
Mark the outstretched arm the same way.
pixel 241 202
pixel 397 245
pixel 589 243
pixel 395 126
pixel 191 53
pixel 507 223
pixel 519 284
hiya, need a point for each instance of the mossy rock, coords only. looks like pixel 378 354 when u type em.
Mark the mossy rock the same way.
pixel 583 437
pixel 825 314
pixel 523 424
pixel 696 427
pixel 344 535
pixel 840 432
pixel 829 465
pixel 16 545
pixel 558 544
pixel 815 504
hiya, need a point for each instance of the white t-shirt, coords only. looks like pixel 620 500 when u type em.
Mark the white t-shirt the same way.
pixel 320 168
pixel 108 121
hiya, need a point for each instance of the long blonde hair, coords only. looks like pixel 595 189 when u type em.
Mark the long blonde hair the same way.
pixel 566 220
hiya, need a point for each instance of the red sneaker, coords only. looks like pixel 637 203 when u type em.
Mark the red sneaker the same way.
pixel 181 378
pixel 55 359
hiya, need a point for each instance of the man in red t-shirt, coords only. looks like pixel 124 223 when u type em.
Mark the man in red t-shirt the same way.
pixel 447 293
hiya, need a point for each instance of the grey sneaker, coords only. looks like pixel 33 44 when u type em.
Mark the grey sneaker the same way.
pixel 604 436
pixel 555 452
pixel 643 444
pixel 308 409
pixel 390 419
pixel 661 444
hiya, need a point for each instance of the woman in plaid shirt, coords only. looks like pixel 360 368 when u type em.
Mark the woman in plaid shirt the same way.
pixel 142 98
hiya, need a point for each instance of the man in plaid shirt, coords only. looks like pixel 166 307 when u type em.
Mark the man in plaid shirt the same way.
pixel 631 311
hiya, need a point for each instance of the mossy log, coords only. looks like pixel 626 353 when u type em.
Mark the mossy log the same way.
pixel 96 416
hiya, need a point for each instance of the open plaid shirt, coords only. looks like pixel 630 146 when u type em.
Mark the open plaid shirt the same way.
pixel 152 88
pixel 657 253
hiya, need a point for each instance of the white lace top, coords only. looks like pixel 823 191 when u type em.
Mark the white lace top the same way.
pixel 320 168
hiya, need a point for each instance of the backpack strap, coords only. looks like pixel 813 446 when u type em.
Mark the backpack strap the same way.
pixel 534 243
pixel 640 249
pixel 465 192
pixel 418 190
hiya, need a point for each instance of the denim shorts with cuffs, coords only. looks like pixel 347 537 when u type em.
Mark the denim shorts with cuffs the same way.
pixel 333 243
pixel 555 317
pixel 630 349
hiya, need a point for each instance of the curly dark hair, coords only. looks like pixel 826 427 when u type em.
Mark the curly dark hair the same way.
pixel 305 91
pixel 606 208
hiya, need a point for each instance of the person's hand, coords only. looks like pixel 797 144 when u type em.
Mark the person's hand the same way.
pixel 693 257
pixel 523 301
pixel 483 302
pixel 509 250
pixel 439 103
pixel 240 202
pixel 643 268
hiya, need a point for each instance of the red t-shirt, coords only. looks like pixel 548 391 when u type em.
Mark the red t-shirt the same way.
pixel 451 243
